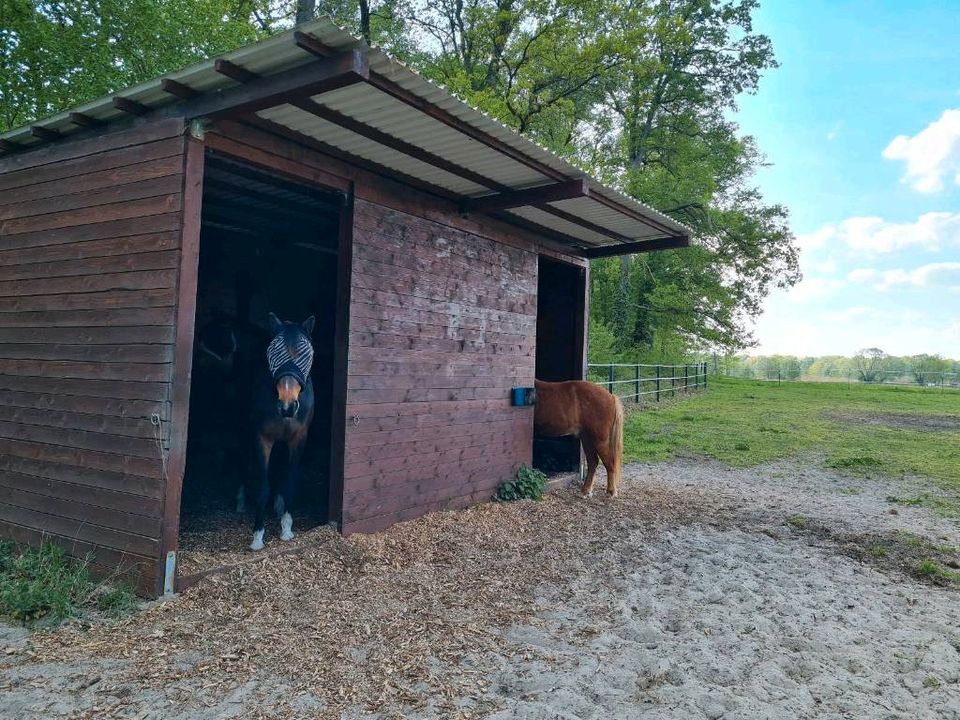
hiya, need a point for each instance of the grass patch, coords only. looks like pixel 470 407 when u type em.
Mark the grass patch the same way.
pixel 798 521
pixel 44 584
pixel 745 423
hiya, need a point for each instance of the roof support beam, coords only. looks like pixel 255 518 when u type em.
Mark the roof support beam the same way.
pixel 129 106
pixel 234 71
pixel 378 136
pixel 593 227
pixel 8 147
pixel 298 137
pixel 336 71
pixel 389 87
pixel 178 89
pixel 310 44
pixel 86 121
pixel 44 133
pixel 565 190
pixel 667 243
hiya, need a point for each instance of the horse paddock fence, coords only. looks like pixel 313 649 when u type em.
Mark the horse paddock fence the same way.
pixel 637 381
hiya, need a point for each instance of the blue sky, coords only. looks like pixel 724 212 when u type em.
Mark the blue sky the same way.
pixel 862 125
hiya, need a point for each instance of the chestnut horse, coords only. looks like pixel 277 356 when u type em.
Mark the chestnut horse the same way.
pixel 590 413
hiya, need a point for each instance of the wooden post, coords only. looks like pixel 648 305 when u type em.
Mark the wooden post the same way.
pixel 673 381
pixel 686 378
pixel 610 379
pixel 636 383
pixel 658 383
pixel 705 375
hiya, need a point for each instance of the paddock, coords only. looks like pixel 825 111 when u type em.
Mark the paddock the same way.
pixel 445 257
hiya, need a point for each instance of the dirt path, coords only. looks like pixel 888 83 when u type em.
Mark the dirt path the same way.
pixel 692 596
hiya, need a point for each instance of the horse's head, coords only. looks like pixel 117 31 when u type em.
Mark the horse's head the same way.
pixel 290 357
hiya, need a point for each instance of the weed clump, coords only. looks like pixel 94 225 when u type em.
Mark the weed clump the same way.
pixel 529 484
pixel 44 584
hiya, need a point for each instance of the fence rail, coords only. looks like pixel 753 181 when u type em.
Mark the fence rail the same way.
pixel 648 380
pixel 929 380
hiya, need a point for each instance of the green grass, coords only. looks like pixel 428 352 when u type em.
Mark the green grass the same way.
pixel 43 584
pixel 746 423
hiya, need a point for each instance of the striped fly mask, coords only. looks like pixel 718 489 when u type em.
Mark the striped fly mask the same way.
pixel 290 353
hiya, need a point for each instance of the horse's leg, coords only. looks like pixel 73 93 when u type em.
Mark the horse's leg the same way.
pixel 290 488
pixel 264 447
pixel 610 465
pixel 590 453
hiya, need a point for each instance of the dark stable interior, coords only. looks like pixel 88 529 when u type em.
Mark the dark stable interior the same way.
pixel 559 308
pixel 267 244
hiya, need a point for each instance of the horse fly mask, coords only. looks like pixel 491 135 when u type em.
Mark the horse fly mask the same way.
pixel 290 353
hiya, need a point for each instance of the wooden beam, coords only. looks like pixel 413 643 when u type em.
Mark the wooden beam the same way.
pixel 178 89
pixel 571 218
pixel 129 106
pixel 87 121
pixel 44 133
pixel 311 45
pixel 337 71
pixel 395 143
pixel 667 243
pixel 566 190
pixel 8 147
pixel 298 137
pixel 234 71
pixel 405 96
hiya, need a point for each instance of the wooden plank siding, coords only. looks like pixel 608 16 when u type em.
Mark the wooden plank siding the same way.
pixel 442 325
pixel 89 262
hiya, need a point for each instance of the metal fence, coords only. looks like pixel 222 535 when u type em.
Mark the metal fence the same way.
pixel 633 382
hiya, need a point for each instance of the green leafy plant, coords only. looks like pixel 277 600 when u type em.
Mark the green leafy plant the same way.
pixel 529 484
pixel 43 583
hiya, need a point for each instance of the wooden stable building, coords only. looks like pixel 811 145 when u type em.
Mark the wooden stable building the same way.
pixel 444 255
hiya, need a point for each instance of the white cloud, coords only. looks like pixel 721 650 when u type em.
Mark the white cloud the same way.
pixel 931 231
pixel 835 131
pixel 931 154
pixel 939 274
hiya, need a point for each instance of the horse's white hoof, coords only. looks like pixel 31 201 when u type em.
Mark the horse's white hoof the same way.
pixel 586 493
pixel 278 505
pixel 286 527
pixel 257 543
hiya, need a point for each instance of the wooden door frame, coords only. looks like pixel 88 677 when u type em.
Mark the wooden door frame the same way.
pixel 186 315
pixel 192 202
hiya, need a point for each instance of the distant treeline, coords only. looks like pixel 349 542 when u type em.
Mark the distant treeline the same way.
pixel 870 365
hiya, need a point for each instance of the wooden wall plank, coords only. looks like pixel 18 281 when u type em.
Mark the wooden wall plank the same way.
pixel 87 335
pixel 111 264
pixel 59 401
pixel 443 324
pixel 169 163
pixel 138 486
pixel 146 242
pixel 90 283
pixel 89 353
pixel 127 390
pixel 133 208
pixel 101 230
pixel 119 299
pixel 83 147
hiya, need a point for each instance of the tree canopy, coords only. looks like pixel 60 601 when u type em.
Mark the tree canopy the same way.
pixel 641 93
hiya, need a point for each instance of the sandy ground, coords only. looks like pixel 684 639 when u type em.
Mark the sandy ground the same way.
pixel 692 596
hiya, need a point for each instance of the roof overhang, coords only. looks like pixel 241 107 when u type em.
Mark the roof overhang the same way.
pixel 322 87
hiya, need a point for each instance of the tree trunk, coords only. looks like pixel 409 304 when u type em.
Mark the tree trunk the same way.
pixel 365 20
pixel 306 9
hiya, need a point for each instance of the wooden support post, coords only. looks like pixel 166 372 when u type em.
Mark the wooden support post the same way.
pixel 610 378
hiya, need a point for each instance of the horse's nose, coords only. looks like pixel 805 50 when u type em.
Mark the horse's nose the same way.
pixel 294 407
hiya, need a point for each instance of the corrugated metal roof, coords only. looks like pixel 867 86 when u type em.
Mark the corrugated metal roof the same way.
pixel 603 209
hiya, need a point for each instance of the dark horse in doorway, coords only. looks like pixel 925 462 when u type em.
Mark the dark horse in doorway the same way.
pixel 590 413
pixel 282 410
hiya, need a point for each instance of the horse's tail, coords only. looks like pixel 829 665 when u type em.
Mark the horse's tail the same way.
pixel 616 438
